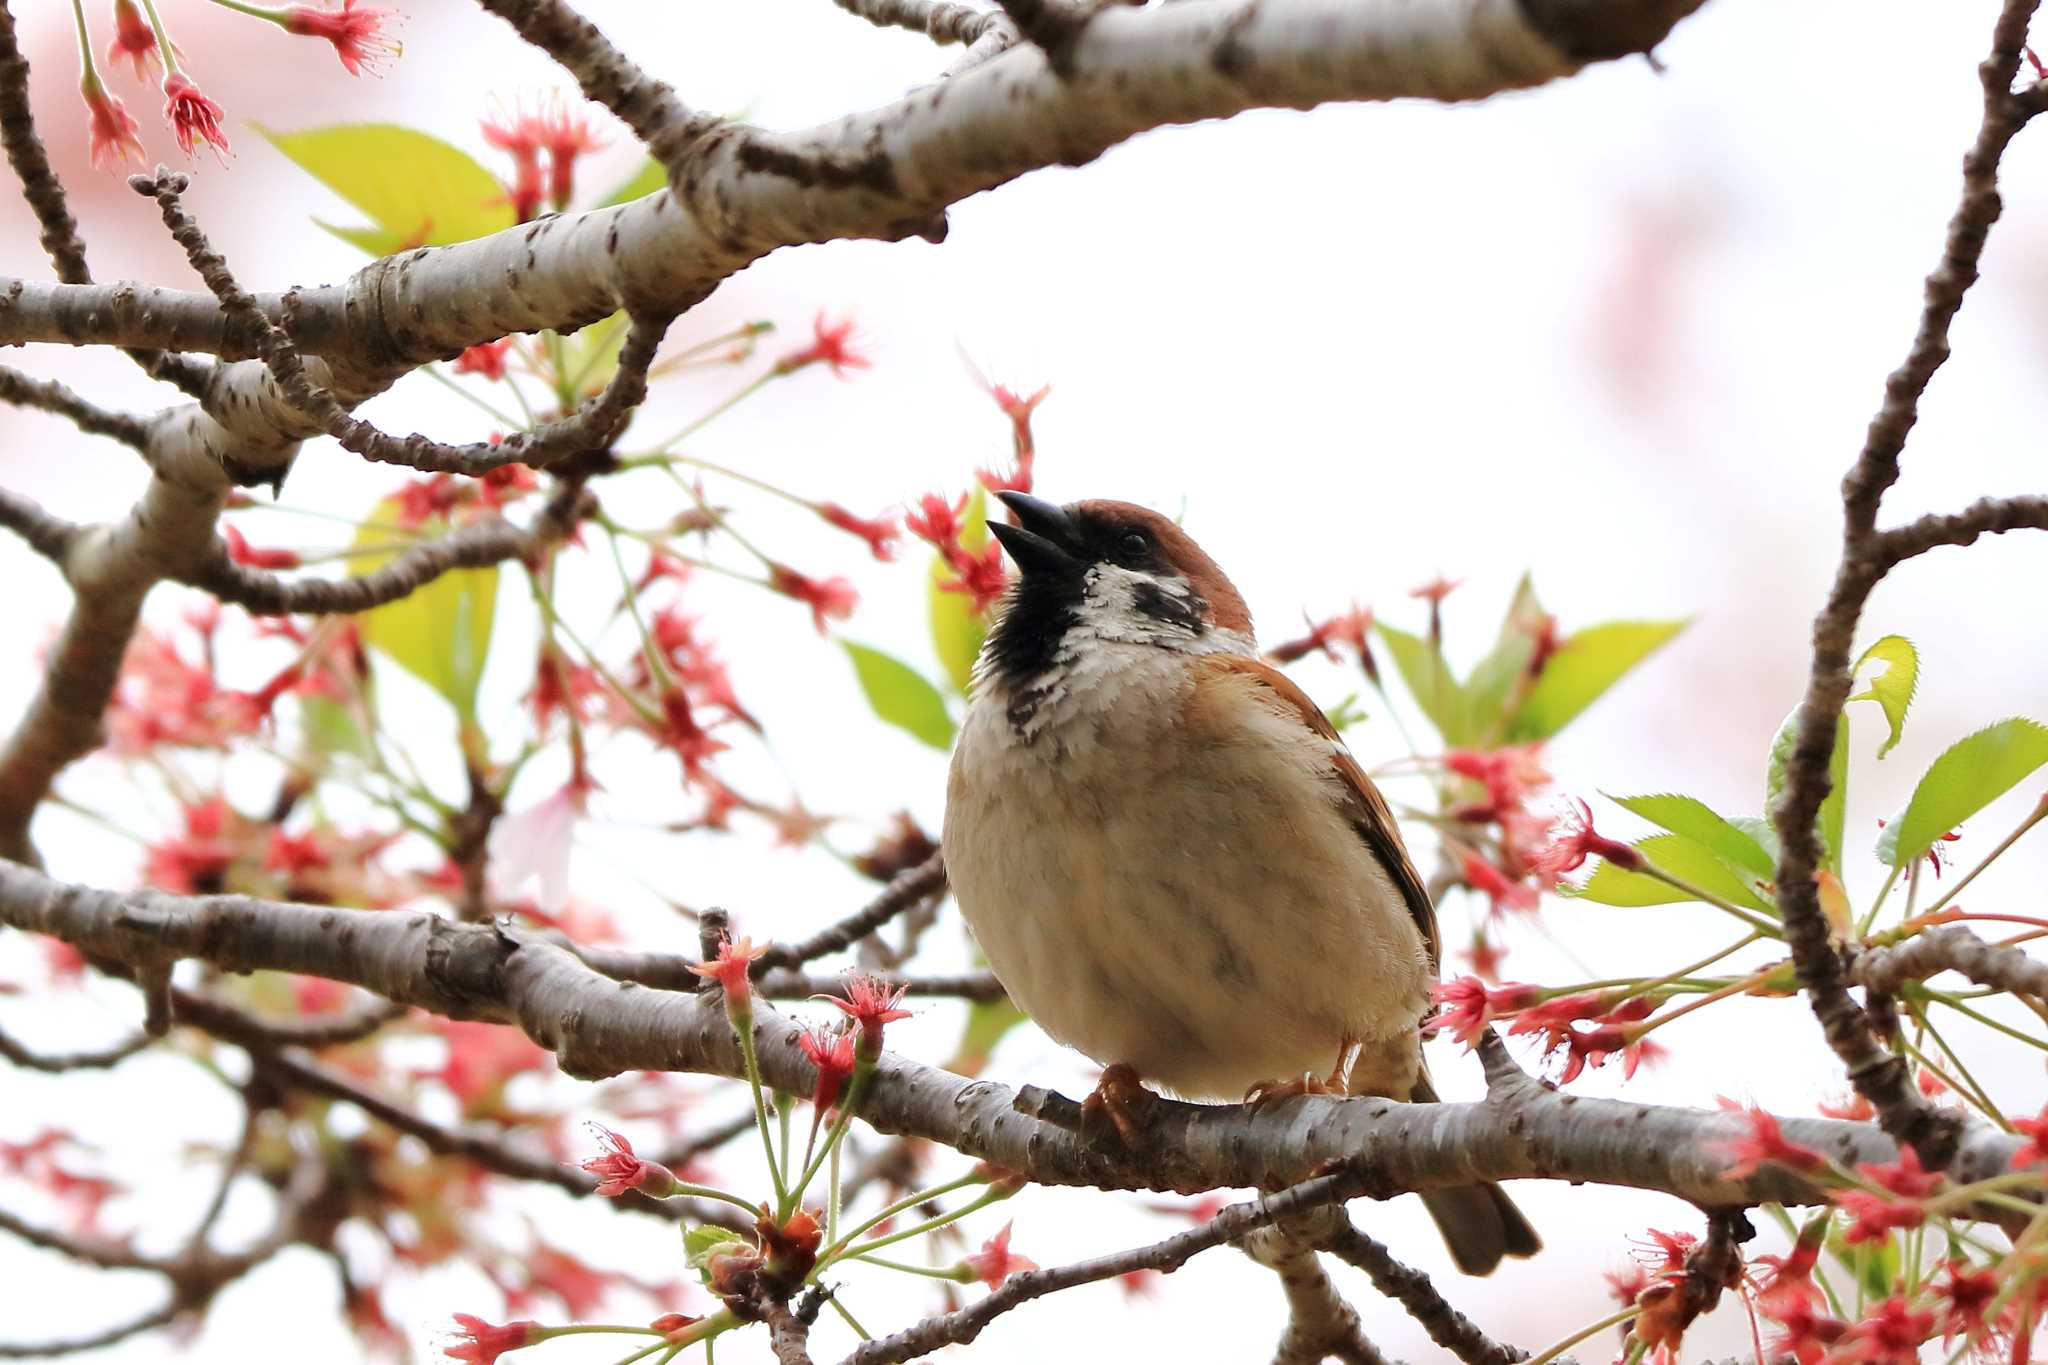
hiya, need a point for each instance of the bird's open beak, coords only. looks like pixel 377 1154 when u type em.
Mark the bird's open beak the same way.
pixel 1045 541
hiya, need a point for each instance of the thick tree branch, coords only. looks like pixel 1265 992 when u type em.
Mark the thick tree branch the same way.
pixel 886 173
pixel 1410 1288
pixel 964 1325
pixel 598 1026
pixel 1877 1074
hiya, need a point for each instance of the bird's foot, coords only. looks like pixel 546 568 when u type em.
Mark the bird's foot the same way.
pixel 1120 1103
pixel 1263 1093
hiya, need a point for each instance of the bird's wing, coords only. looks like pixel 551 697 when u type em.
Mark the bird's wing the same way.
pixel 1366 808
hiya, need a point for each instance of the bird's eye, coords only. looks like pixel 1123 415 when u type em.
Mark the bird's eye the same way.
pixel 1134 546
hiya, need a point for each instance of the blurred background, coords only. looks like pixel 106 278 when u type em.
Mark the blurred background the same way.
pixel 1624 332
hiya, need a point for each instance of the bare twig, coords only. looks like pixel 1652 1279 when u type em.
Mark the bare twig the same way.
pixel 1986 516
pixel 1410 1288
pixel 49 396
pixel 95 1060
pixel 49 536
pixel 1950 948
pixel 940 20
pixel 590 428
pixel 964 1325
pixel 920 883
pixel 92 1341
pixel 1877 1074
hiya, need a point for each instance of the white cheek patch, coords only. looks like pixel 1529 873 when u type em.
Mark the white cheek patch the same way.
pixel 1130 607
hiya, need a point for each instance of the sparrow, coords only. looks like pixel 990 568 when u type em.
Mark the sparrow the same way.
pixel 1167 854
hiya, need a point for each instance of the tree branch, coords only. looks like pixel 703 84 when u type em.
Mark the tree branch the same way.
pixel 96 1060
pixel 940 20
pixel 29 392
pixel 964 1325
pixel 49 536
pixel 1950 948
pixel 1410 1288
pixel 1877 1074
pixel 1321 1325
pixel 1986 516
pixel 907 889
pixel 597 1026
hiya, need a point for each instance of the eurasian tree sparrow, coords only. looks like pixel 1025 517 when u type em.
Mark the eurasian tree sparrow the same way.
pixel 1170 858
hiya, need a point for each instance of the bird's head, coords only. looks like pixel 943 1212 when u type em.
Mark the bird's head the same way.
pixel 1107 571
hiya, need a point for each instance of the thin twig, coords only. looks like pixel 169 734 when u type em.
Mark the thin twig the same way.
pixel 48 395
pixel 940 20
pixel 1877 1074
pixel 1412 1289
pixel 909 888
pixel 95 1060
pixel 1950 948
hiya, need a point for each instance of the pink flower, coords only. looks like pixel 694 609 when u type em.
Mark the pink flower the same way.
pixel 1346 628
pixel 242 552
pixel 938 523
pixel 357 34
pixel 1018 409
pixel 565 136
pixel 487 359
pixel 1905 1177
pixel 871 1004
pixel 535 845
pixel 618 1170
pixel 1436 590
pixel 1875 1216
pixel 1483 877
pixel 879 532
pixel 995 1262
pixel 830 345
pixel 1890 1334
pixel 193 117
pixel 680 732
pixel 730 969
pixel 1764 1143
pixel 828 598
pixel 134 40
pixel 484 1342
pixel 2034 1150
pixel 982 577
pixel 1575 840
pixel 113 127
pixel 1465 1007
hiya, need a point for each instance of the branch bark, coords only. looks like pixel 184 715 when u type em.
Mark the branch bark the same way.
pixel 598 1027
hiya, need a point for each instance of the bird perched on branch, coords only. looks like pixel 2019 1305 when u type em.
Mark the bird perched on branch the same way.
pixel 1170 858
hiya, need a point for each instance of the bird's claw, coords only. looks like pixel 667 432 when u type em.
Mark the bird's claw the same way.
pixel 1262 1093
pixel 1120 1103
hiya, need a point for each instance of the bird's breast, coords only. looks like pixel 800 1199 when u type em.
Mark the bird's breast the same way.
pixel 1189 902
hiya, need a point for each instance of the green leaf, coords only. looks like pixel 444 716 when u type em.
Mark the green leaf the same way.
pixel 329 726
pixel 1683 815
pixel 416 189
pixel 700 1241
pixel 1681 857
pixel 1586 665
pixel 1893 688
pixel 899 694
pixel 1761 830
pixel 440 634
pixel 1421 665
pixel 1493 678
pixel 1832 809
pixel 589 357
pixel 957 628
pixel 649 178
pixel 1972 774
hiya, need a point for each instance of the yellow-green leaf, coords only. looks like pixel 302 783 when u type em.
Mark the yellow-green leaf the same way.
pixel 1835 806
pixel 649 178
pixel 1695 820
pixel 589 357
pixel 1494 677
pixel 1682 858
pixel 957 628
pixel 440 634
pixel 415 189
pixel 1969 776
pixel 1421 665
pixel 1893 688
pixel 899 694
pixel 1584 666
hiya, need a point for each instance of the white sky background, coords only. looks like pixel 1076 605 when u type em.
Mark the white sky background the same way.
pixel 1625 331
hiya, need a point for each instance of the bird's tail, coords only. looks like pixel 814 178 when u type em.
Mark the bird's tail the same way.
pixel 1480 1223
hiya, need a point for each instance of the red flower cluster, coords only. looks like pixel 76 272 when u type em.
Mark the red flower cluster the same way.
pixel 1023 446
pixel 482 1342
pixel 879 532
pixel 357 34
pixel 1573 841
pixel 995 1262
pixel 134 40
pixel 1350 629
pixel 618 1170
pixel 1765 1142
pixel 979 574
pixel 554 131
pixel 1613 1018
pixel 1466 1006
pixel 870 1003
pixel 193 117
pixel 486 359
